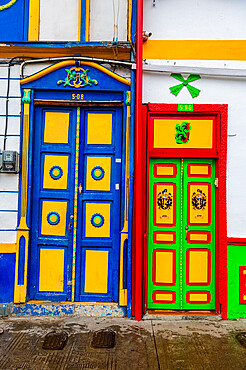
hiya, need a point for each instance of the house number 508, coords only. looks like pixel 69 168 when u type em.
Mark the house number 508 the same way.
pixel 77 96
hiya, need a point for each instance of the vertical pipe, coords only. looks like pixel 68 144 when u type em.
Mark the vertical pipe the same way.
pixel 138 168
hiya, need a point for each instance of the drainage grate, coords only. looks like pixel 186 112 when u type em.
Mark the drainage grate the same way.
pixel 241 337
pixel 103 339
pixel 55 340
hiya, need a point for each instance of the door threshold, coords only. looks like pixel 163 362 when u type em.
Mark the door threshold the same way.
pixel 51 308
pixel 175 315
pixel 183 312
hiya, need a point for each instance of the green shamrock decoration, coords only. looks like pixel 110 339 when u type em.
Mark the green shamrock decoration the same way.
pixel 175 90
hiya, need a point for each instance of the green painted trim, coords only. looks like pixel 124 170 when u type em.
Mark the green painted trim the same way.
pixel 152 228
pixel 181 244
pixel 236 256
pixel 210 228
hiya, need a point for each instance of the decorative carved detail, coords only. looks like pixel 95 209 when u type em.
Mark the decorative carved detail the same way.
pixel 8 5
pixel 77 77
pixel 97 220
pixel 175 90
pixel 27 96
pixel 182 135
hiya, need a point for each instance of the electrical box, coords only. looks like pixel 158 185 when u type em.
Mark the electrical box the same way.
pixel 10 161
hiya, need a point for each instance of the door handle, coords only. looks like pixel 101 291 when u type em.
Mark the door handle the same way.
pixel 70 226
pixel 186 231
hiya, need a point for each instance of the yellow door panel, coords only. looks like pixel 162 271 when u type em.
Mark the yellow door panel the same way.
pixel 54 218
pixel 97 220
pixel 56 127
pixel 164 204
pixel 198 266
pixel 99 129
pixel 55 172
pixel 98 174
pixel 164 267
pixel 96 271
pixel 199 203
pixel 51 273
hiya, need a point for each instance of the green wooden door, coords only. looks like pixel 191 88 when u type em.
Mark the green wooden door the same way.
pixel 181 234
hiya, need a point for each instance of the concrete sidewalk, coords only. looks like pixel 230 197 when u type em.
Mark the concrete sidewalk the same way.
pixel 166 343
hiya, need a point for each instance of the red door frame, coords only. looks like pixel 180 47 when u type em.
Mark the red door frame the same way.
pixel 219 112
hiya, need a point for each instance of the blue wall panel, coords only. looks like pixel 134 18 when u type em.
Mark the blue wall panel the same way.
pixel 12 21
pixel 7 277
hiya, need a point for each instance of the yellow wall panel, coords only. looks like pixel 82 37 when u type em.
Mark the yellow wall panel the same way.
pixel 99 129
pixel 104 169
pixel 198 266
pixel 56 213
pixel 201 134
pixel 92 210
pixel 96 271
pixel 56 127
pixel 164 267
pixel 55 172
pixel 51 274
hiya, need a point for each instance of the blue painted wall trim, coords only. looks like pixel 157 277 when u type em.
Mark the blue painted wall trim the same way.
pixel 21 263
pixel 7 277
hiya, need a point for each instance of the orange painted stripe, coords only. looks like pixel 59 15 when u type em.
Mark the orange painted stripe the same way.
pixel 195 49
pixel 8 248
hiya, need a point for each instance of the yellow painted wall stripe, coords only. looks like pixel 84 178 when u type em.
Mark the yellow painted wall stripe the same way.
pixel 22 230
pixel 87 20
pixel 8 248
pixel 34 15
pixel 129 19
pixel 66 63
pixel 79 20
pixel 195 49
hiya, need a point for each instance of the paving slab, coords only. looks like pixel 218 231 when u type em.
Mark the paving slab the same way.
pixel 149 344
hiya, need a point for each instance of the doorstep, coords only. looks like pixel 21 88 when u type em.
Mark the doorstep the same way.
pixel 47 308
pixel 175 315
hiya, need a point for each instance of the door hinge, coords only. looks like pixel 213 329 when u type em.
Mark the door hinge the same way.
pixel 80 189
pixel 216 182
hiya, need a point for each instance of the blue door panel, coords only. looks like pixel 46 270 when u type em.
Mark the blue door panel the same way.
pixel 52 206
pixel 98 227
pixel 109 196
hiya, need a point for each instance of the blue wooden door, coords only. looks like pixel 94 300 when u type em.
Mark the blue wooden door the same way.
pixel 50 260
pixel 97 262
pixel 75 208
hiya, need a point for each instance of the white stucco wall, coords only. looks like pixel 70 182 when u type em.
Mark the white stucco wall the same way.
pixel 104 15
pixel 195 19
pixel 9 182
pixel 231 91
pixel 59 20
